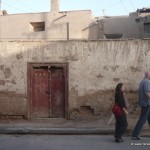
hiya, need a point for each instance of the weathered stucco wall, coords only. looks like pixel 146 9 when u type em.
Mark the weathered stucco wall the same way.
pixel 131 26
pixel 58 26
pixel 124 25
pixel 95 67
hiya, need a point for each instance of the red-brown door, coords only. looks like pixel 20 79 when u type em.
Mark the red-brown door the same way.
pixel 57 93
pixel 40 98
pixel 48 93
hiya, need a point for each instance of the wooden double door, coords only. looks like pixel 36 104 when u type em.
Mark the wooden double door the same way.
pixel 48 91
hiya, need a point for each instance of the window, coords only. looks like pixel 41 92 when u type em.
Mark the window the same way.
pixel 114 36
pixel 37 26
pixel 147 27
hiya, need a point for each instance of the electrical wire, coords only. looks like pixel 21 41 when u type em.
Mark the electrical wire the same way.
pixel 29 8
pixel 102 4
pixel 112 4
pixel 23 4
pixel 131 2
pixel 13 7
pixel 98 4
pixel 124 6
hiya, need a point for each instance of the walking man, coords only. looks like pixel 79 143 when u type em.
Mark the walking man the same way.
pixel 144 101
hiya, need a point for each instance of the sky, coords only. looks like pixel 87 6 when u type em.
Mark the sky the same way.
pixel 98 7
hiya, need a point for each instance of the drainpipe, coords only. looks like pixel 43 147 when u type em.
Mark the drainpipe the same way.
pixel 67 30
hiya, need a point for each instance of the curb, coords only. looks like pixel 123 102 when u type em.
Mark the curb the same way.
pixel 40 130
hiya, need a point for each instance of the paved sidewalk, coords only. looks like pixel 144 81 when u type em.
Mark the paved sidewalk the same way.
pixel 53 126
pixel 59 126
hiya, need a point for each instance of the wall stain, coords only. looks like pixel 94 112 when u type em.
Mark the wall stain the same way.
pixel 13 81
pixel 99 104
pixel 116 79
pixel 2 82
pixel 19 56
pixel 7 72
pixel 100 76
pixel 105 68
pixel 12 104
pixel 2 67
pixel 114 68
pixel 134 69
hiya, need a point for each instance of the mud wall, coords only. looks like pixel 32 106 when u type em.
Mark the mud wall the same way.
pixel 95 67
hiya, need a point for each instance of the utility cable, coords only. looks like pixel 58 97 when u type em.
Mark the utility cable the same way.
pixel 23 4
pixel 131 2
pixel 112 4
pixel 13 7
pixel 124 6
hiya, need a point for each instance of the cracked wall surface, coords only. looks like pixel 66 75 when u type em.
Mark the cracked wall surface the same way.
pixel 95 67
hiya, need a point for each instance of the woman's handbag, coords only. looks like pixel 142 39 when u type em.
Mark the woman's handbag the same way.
pixel 117 110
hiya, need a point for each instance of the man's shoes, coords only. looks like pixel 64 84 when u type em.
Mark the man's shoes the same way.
pixel 136 138
pixel 118 140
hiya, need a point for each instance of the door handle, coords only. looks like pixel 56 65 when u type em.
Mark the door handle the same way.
pixel 47 92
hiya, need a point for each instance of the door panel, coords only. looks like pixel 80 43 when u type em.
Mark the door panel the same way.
pixel 40 93
pixel 47 92
pixel 57 93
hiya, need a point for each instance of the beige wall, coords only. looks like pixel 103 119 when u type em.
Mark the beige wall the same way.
pixel 95 67
pixel 17 27
pixel 124 25
pixel 129 26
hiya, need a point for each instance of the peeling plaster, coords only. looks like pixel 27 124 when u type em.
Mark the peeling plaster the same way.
pixel 2 82
pixel 19 56
pixel 7 72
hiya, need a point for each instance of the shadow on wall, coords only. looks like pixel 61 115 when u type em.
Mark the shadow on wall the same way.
pixel 93 31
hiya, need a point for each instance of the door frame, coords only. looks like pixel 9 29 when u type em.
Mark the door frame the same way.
pixel 30 67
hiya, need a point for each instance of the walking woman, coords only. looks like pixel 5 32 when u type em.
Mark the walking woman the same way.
pixel 121 120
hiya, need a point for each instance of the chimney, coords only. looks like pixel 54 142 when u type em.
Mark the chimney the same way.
pixel 0 5
pixel 55 5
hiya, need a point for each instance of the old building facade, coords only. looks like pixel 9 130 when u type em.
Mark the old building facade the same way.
pixel 51 66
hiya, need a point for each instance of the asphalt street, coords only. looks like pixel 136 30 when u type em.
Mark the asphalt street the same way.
pixel 70 142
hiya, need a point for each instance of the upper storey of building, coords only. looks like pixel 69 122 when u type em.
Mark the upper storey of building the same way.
pixel 68 25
